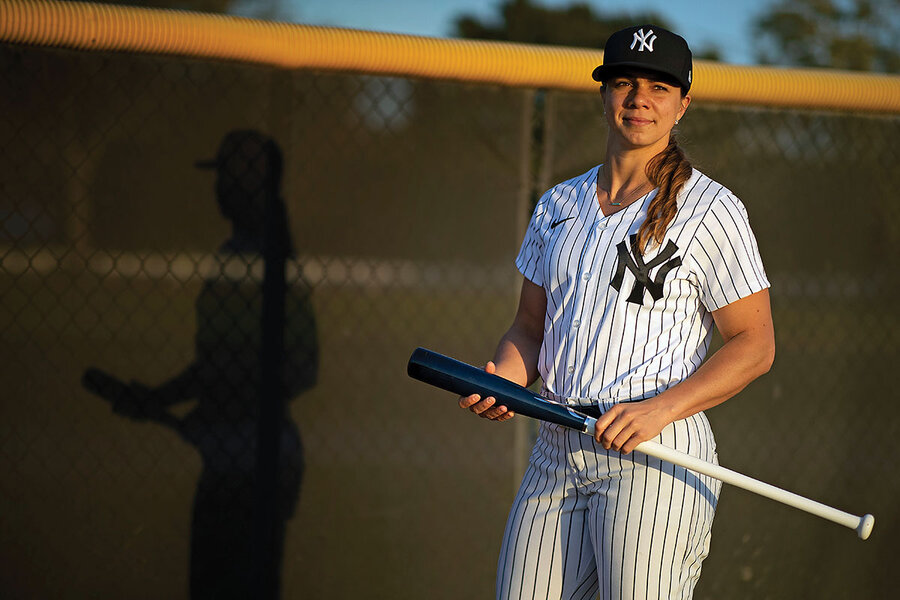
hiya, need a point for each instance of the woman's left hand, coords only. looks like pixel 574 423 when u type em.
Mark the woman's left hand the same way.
pixel 626 425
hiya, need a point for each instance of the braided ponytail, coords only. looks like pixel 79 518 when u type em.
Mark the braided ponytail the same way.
pixel 669 171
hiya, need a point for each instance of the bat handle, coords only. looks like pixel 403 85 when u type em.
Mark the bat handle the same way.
pixel 589 423
pixel 861 524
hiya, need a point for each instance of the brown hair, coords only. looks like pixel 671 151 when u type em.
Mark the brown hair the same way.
pixel 669 171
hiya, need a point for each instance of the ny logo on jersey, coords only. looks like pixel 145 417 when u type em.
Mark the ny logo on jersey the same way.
pixel 642 38
pixel 641 270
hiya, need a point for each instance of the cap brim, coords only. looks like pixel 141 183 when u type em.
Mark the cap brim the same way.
pixel 605 71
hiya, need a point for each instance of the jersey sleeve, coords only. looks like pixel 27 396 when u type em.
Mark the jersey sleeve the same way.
pixel 529 259
pixel 727 256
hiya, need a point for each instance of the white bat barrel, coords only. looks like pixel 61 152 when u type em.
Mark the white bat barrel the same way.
pixel 862 525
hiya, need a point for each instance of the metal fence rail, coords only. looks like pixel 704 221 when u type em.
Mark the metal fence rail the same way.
pixel 132 289
pixel 91 27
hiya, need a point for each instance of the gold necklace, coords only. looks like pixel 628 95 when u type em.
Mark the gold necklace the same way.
pixel 636 193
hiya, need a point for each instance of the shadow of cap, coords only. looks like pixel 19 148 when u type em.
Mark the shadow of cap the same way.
pixel 243 149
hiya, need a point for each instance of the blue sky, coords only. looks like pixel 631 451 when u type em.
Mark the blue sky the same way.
pixel 725 23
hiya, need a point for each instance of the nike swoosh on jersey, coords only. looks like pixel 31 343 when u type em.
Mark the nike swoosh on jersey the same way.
pixel 554 224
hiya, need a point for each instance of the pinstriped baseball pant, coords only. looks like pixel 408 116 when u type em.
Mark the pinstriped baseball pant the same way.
pixel 590 523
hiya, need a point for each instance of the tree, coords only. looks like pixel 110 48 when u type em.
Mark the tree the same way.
pixel 861 35
pixel 574 25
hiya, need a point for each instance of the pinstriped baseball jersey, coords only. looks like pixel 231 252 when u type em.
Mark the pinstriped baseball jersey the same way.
pixel 621 325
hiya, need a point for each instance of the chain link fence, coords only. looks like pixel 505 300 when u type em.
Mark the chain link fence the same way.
pixel 136 287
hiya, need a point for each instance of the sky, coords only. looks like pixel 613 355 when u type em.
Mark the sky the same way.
pixel 726 24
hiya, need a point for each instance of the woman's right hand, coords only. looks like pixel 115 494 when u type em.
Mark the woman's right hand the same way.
pixel 486 408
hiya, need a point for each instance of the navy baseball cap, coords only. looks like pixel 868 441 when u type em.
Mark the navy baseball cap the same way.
pixel 648 47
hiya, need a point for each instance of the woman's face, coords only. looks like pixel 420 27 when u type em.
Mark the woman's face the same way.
pixel 641 109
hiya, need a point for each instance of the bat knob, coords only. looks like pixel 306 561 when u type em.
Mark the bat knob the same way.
pixel 866 523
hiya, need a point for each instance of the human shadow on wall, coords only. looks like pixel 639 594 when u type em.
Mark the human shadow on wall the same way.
pixel 256 348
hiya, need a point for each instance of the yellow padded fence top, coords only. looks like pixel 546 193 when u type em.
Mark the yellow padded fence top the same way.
pixel 86 26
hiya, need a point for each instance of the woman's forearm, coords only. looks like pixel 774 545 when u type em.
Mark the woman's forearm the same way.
pixel 517 355
pixel 729 370
pixel 517 352
pixel 748 352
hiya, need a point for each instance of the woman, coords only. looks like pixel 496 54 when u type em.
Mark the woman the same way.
pixel 627 269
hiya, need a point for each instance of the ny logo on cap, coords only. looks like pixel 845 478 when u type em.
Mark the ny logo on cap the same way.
pixel 642 38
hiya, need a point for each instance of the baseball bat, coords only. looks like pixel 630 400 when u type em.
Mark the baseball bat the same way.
pixel 464 380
